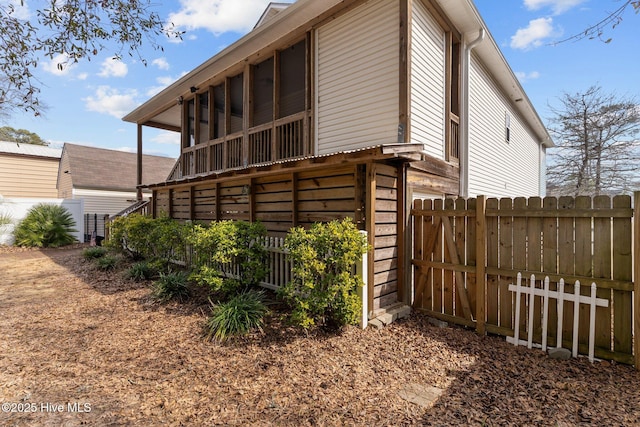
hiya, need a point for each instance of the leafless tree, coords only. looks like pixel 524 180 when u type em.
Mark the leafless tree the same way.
pixel 612 20
pixel 598 150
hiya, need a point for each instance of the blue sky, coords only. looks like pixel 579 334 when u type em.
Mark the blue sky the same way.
pixel 86 101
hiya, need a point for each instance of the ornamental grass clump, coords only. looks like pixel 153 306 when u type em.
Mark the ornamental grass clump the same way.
pixel 46 226
pixel 171 286
pixel 236 317
pixel 94 252
pixel 106 262
pixel 141 271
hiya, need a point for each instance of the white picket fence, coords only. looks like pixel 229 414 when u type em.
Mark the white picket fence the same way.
pixel 560 296
pixel 279 271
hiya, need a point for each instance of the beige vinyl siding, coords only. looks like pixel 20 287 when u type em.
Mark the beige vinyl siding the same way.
pixel 105 202
pixel 31 177
pixel 497 167
pixel 427 81
pixel 65 184
pixel 358 78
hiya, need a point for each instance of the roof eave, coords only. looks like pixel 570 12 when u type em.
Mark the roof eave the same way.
pixel 295 16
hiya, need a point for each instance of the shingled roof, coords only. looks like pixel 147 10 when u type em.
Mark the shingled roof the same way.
pixel 102 169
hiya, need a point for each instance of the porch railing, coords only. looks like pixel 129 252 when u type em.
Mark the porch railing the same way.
pixel 281 139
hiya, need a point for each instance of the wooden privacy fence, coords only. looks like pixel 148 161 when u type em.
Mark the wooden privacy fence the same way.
pixel 468 251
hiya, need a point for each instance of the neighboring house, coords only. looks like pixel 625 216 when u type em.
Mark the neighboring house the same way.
pixel 334 108
pixel 28 170
pixel 106 179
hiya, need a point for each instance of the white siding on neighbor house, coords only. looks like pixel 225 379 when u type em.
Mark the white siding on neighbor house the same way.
pixel 498 168
pixel 105 202
pixel 357 100
pixel 427 81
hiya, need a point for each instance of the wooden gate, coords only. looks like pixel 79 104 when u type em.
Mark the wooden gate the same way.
pixel 468 251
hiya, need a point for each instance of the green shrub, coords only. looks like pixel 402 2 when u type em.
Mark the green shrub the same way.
pixel 5 219
pixel 222 243
pixel 170 286
pixel 324 290
pixel 106 262
pixel 46 225
pixel 141 271
pixel 142 237
pixel 94 252
pixel 238 316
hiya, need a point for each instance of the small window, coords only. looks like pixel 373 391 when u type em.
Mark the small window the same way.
pixel 507 126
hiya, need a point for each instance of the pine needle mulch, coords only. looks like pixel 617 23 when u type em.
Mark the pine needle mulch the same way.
pixel 74 338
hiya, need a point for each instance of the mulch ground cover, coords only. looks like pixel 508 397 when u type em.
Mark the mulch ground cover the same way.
pixel 84 347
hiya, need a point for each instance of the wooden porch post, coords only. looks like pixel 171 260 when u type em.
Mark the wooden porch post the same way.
pixel 371 230
pixel 139 166
pixel 636 278
pixel 481 262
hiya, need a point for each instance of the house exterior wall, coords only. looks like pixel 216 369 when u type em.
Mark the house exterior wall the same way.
pixel 357 93
pixel 104 202
pixel 368 193
pixel 498 168
pixel 65 183
pixel 26 176
pixel 427 94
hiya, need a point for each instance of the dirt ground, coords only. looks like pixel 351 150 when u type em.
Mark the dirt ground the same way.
pixel 81 347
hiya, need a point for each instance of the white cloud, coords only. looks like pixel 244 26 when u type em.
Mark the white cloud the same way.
pixel 166 137
pixel 524 76
pixel 218 16
pixel 557 6
pixel 112 67
pixel 20 8
pixel 59 65
pixel 83 76
pixel 533 35
pixel 161 63
pixel 126 149
pixel 113 102
pixel 163 82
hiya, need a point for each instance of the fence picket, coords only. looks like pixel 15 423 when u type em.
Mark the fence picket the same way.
pixel 568 238
pixel 576 299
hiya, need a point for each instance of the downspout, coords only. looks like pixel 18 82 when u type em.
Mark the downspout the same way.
pixel 464 115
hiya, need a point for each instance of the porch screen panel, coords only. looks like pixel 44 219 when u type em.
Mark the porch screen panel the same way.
pixel 358 78
pixel 292 79
pixel 236 101
pixel 262 92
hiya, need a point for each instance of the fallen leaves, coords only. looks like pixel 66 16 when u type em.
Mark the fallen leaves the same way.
pixel 72 334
